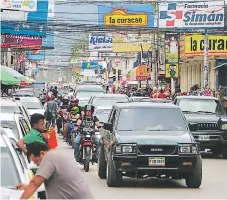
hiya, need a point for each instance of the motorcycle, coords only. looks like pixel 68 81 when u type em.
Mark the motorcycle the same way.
pixel 87 148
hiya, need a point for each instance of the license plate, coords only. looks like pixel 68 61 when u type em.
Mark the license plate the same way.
pixel 204 137
pixel 156 162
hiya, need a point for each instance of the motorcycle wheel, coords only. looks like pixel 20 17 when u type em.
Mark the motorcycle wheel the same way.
pixel 87 159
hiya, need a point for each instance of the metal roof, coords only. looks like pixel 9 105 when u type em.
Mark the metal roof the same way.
pixel 145 105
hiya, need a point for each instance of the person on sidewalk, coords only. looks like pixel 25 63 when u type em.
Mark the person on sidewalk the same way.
pixel 59 182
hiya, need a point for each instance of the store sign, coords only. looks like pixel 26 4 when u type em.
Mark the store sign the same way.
pixel 123 42
pixel 194 45
pixel 171 55
pixel 100 42
pixel 91 66
pixel 24 5
pixel 34 25
pixel 192 15
pixel 48 41
pixel 129 15
pixel 36 55
pixel 141 73
pixel 21 41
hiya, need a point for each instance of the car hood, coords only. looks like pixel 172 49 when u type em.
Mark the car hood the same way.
pixel 159 137
pixel 33 111
pixel 201 118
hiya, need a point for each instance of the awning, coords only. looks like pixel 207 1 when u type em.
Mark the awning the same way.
pixel 14 73
pixel 7 79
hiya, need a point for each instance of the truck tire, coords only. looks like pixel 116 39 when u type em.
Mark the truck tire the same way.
pixel 224 153
pixel 114 178
pixel 194 179
pixel 102 163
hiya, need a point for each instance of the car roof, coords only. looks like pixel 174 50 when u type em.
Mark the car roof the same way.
pixel 9 116
pixel 88 86
pixel 110 95
pixel 8 102
pixel 103 107
pixel 145 105
pixel 29 99
pixel 196 97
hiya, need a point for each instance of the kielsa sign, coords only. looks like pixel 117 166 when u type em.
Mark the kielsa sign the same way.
pixel 128 15
pixel 194 45
pixel 23 5
pixel 21 41
pixel 203 15
pixel 100 42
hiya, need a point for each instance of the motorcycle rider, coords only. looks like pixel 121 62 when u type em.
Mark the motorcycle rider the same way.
pixel 73 106
pixel 89 121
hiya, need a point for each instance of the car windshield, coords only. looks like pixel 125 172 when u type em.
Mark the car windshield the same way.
pixel 32 105
pixel 151 119
pixel 201 105
pixel 108 101
pixel 24 94
pixel 102 114
pixel 87 93
pixel 10 109
pixel 9 173
pixel 12 125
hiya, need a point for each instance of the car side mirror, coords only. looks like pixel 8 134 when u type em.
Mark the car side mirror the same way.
pixel 193 126
pixel 108 126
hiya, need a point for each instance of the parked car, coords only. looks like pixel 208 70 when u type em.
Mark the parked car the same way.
pixel 209 117
pixel 148 139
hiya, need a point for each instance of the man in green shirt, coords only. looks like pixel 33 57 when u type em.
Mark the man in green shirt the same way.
pixel 35 134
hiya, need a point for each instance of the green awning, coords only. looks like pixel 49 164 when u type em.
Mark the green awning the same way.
pixel 8 79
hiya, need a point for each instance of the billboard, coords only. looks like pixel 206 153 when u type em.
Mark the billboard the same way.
pixel 194 45
pixel 100 42
pixel 35 24
pixel 23 5
pixel 171 55
pixel 191 15
pixel 123 42
pixel 48 41
pixel 91 66
pixel 21 41
pixel 36 55
pixel 128 15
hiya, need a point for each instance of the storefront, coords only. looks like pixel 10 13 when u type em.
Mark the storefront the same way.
pixel 221 73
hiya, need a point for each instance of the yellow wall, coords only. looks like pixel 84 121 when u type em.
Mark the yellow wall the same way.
pixel 192 73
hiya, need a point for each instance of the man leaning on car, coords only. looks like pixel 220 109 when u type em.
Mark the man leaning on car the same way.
pixel 35 134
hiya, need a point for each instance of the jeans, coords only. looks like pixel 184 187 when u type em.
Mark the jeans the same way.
pixel 70 128
pixel 52 121
pixel 77 145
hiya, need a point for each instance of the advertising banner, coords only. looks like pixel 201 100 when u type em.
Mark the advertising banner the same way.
pixel 36 55
pixel 131 42
pixel 48 41
pixel 172 55
pixel 192 15
pixel 91 66
pixel 24 5
pixel 100 42
pixel 128 15
pixel 194 45
pixel 141 73
pixel 35 24
pixel 21 41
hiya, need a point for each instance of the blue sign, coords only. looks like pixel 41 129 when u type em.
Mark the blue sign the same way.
pixel 91 65
pixel 40 55
pixel 48 41
pixel 128 15
pixel 35 25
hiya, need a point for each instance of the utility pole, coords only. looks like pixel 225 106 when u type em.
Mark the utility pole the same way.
pixel 154 60
pixel 206 61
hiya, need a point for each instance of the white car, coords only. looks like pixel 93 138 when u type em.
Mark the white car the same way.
pixel 13 168
pixel 12 106
pixel 33 105
pixel 16 122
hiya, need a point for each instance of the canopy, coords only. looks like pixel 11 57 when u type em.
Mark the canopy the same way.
pixel 8 79
pixel 14 73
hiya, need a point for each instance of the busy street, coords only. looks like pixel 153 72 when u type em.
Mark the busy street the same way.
pixel 110 99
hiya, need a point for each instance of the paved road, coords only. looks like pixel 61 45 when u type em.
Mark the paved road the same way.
pixel 214 185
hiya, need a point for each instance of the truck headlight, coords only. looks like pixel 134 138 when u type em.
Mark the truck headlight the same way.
pixel 224 127
pixel 126 149
pixel 118 149
pixel 185 149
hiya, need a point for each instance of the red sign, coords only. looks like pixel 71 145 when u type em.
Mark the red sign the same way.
pixel 141 78
pixel 21 41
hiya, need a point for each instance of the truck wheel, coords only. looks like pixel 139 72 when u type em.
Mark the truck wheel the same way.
pixel 102 163
pixel 194 179
pixel 114 178
pixel 224 153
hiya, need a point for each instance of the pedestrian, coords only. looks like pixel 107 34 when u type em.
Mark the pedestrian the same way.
pixel 161 95
pixel 55 91
pixel 51 111
pixel 36 134
pixel 60 183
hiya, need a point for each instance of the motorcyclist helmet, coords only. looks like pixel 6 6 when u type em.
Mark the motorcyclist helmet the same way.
pixel 75 110
pixel 74 101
